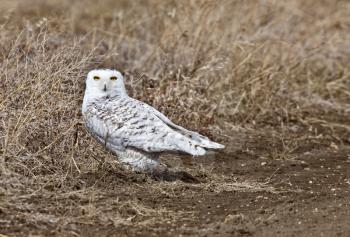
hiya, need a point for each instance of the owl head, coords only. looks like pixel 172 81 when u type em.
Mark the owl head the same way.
pixel 105 82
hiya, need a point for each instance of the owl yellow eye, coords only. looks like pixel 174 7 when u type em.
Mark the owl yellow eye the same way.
pixel 113 78
pixel 96 78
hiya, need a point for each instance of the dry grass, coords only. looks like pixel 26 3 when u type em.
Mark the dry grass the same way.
pixel 276 69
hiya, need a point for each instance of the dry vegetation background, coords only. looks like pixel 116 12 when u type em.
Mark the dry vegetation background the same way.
pixel 263 77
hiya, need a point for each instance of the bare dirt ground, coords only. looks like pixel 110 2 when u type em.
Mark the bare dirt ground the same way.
pixel 269 79
pixel 242 195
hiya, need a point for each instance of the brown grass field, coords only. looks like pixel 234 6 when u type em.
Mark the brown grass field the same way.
pixel 270 79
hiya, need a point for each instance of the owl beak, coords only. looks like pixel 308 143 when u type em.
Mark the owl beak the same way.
pixel 105 88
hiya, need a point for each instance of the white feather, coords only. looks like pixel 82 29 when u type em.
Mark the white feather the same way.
pixel 123 123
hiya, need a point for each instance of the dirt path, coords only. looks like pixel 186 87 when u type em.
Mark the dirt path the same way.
pixel 240 195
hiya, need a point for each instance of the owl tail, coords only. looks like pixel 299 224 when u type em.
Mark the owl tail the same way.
pixel 195 147
pixel 198 139
pixel 206 143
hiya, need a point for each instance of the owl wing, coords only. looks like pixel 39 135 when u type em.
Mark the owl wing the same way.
pixel 200 139
pixel 125 122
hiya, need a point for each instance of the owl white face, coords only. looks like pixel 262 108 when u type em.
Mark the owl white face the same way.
pixel 105 82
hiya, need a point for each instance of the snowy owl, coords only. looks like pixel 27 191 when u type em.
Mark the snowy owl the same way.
pixel 134 131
